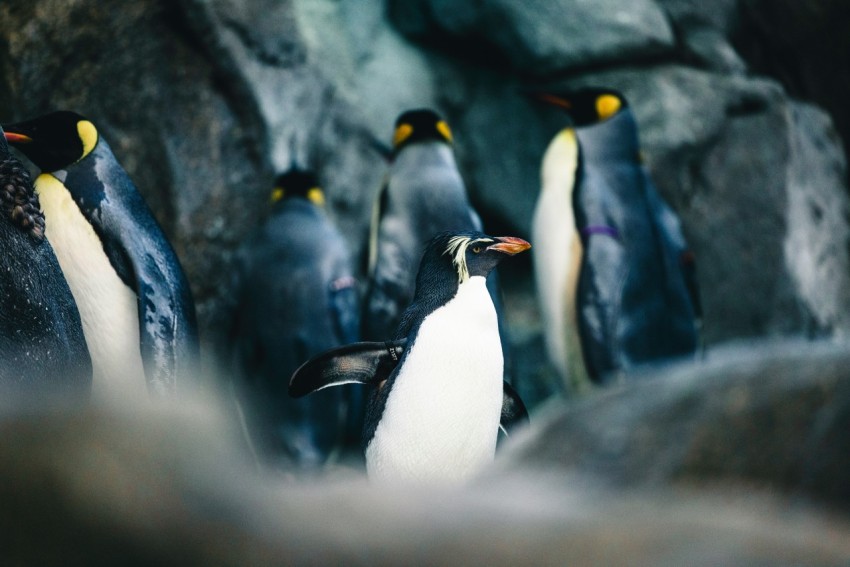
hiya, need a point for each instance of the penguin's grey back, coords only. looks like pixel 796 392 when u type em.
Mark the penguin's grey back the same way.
pixel 297 298
pixel 425 195
pixel 636 306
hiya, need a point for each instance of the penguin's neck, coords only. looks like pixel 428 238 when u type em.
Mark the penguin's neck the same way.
pixel 560 162
pixel 426 154
pixel 613 139
pixel 435 286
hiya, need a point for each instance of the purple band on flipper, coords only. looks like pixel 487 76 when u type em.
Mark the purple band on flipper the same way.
pixel 601 229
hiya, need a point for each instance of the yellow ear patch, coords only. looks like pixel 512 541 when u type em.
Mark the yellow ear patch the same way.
pixel 88 136
pixel 607 105
pixel 277 194
pixel 402 133
pixel 443 128
pixel 316 196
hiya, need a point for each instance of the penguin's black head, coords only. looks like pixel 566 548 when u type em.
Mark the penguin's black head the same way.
pixel 586 106
pixel 473 253
pixel 419 126
pixel 298 183
pixel 53 141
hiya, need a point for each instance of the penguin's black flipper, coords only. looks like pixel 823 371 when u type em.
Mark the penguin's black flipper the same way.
pixel 358 363
pixel 145 261
pixel 514 412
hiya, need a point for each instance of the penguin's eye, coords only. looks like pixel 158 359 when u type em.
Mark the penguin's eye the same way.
pixel 476 249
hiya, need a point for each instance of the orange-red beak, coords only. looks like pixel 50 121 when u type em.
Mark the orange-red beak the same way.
pixel 14 138
pixel 510 245
pixel 553 100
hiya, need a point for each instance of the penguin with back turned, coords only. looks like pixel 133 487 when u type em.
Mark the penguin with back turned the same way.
pixel 423 194
pixel 615 276
pixel 134 300
pixel 297 297
pixel 42 347
pixel 435 415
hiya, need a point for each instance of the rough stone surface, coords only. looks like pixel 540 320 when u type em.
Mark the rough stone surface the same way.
pixel 540 37
pixel 804 45
pixel 773 416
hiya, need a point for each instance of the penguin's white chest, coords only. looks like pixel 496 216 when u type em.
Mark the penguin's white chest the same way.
pixel 557 256
pixel 108 308
pixel 441 418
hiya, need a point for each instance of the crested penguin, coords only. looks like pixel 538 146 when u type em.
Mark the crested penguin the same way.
pixel 616 280
pixel 437 416
pixel 134 300
pixel 423 194
pixel 297 297
pixel 42 346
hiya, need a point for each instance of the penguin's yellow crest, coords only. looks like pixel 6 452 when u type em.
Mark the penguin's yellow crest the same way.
pixel 316 196
pixel 277 194
pixel 607 106
pixel 88 136
pixel 402 132
pixel 443 128
pixel 457 250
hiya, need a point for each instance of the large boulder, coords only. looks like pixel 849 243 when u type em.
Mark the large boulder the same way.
pixel 772 415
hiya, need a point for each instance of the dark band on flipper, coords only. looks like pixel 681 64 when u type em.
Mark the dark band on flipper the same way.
pixel 601 229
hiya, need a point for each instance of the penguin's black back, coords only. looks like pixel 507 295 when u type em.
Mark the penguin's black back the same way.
pixel 634 304
pixel 145 261
pixel 42 346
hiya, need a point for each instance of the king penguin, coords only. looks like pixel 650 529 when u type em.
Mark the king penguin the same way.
pixel 134 300
pixel 298 296
pixel 423 194
pixel 42 347
pixel 436 418
pixel 616 280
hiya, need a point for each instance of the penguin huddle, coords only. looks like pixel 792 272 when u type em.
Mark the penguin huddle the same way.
pixel 616 283
pixel 105 294
pixel 616 279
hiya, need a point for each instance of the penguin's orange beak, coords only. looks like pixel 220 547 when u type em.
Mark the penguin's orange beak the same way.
pixel 509 245
pixel 554 100
pixel 14 138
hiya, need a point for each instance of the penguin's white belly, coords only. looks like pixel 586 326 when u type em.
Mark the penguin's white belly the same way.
pixel 441 419
pixel 557 256
pixel 553 231
pixel 108 308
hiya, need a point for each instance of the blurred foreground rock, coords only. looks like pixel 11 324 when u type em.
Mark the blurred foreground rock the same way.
pixel 698 466
pixel 772 416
